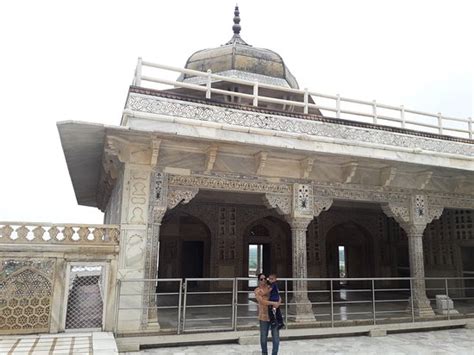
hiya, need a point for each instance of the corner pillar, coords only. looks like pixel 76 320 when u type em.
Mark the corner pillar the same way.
pixel 162 199
pixel 138 161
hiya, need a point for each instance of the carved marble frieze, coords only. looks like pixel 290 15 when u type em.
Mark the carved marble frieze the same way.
pixel 362 193
pixel 235 117
pixel 280 195
pixel 228 184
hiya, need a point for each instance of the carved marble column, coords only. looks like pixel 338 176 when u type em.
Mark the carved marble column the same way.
pixel 151 262
pixel 413 217
pixel 301 308
pixel 299 209
pixel 421 304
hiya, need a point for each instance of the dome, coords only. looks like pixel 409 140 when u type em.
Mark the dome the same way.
pixel 238 59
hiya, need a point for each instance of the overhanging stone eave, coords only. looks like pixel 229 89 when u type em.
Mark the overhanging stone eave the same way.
pixel 83 145
pixel 304 143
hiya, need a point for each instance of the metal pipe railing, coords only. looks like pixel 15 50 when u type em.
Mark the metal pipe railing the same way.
pixel 230 300
pixel 465 125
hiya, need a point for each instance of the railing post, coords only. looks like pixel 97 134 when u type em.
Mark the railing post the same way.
pixel 286 304
pixel 469 126
pixel 338 106
pixel 255 93
pixel 180 298
pixel 373 302
pixel 332 303
pixel 440 123
pixel 184 303
pixel 412 301
pixel 208 84
pixel 234 304
pixel 305 99
pixel 138 73
pixel 374 111
pixel 447 295
pixel 402 114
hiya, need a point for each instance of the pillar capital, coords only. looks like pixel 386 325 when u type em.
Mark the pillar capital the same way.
pixel 300 204
pixel 413 215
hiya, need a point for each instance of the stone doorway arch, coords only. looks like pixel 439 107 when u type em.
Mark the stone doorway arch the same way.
pixel 275 237
pixel 359 250
pixel 185 247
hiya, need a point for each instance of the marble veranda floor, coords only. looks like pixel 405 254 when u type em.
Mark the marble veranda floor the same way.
pixel 452 341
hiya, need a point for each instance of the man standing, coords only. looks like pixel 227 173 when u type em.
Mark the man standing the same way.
pixel 261 294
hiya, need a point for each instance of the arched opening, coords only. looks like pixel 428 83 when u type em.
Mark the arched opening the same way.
pixel 267 248
pixel 185 243
pixel 349 252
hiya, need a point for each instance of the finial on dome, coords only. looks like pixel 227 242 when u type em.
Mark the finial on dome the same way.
pixel 236 39
pixel 236 27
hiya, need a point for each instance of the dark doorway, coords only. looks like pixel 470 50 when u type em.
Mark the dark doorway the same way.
pixel 192 265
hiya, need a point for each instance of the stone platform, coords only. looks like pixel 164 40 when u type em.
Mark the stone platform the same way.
pixel 452 341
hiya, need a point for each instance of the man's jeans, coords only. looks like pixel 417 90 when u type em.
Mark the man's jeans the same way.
pixel 264 327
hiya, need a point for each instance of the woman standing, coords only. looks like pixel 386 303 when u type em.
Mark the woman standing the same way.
pixel 261 294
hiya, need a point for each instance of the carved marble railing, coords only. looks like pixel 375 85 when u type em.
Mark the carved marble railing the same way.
pixel 57 233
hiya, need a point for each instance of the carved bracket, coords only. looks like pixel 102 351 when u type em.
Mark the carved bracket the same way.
pixel 306 166
pixel 423 179
pixel 399 212
pixel 211 156
pixel 158 214
pixel 282 203
pixel 260 161
pixel 321 204
pixel 387 175
pixel 349 170
pixel 155 151
pixel 118 147
pixel 180 195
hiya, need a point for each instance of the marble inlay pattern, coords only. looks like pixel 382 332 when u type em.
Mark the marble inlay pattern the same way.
pixel 195 111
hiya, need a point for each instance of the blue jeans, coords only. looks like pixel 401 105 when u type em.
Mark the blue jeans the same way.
pixel 264 327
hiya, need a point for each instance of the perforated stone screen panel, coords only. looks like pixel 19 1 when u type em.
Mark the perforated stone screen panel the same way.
pixel 25 296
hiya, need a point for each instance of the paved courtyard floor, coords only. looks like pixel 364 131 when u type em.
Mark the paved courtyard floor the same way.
pixel 453 341
pixel 100 343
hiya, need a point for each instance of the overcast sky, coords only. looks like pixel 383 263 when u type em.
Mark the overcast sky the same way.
pixel 64 60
